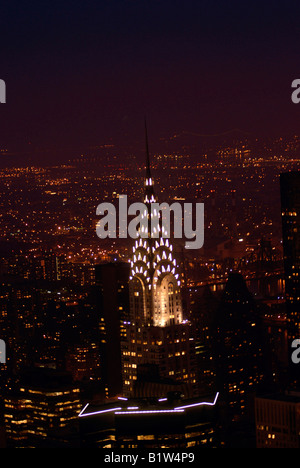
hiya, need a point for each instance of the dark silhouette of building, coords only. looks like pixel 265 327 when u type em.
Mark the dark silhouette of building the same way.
pixel 112 288
pixel 238 355
pixel 277 419
pixel 290 211
pixel 150 423
pixel 83 361
pixel 41 410
pixel 203 306
pixel 273 316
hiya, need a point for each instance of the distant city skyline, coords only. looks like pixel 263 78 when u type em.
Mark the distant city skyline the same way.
pixel 123 343
pixel 58 278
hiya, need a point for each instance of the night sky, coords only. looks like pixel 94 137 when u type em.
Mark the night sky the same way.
pixel 86 73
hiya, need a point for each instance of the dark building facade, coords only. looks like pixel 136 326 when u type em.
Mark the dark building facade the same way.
pixel 290 211
pixel 238 353
pixel 277 419
pixel 41 410
pixel 150 423
pixel 113 293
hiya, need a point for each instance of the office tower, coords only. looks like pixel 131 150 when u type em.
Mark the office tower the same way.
pixel 113 302
pixel 273 312
pixel 82 361
pixel 277 420
pixel 151 423
pixel 290 210
pixel 156 332
pixel 238 351
pixel 203 306
pixel 41 409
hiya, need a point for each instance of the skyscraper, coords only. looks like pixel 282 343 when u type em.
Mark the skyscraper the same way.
pixel 156 332
pixel 41 410
pixel 113 301
pixel 277 419
pixel 290 211
pixel 144 424
pixel 238 355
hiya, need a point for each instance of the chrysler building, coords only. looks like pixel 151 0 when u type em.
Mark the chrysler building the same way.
pixel 156 333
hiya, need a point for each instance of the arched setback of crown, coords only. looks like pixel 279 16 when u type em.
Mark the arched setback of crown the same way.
pixel 152 267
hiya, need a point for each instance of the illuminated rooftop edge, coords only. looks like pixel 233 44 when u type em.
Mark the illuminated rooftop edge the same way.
pixel 208 403
pixel 119 410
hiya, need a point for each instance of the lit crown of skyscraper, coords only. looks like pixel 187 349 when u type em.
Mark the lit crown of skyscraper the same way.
pixel 154 281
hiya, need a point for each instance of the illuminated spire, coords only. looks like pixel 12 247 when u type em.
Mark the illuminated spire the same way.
pixel 154 275
pixel 149 190
pixel 154 293
pixel 148 171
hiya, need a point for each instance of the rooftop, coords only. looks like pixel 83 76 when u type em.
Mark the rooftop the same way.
pixel 170 404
